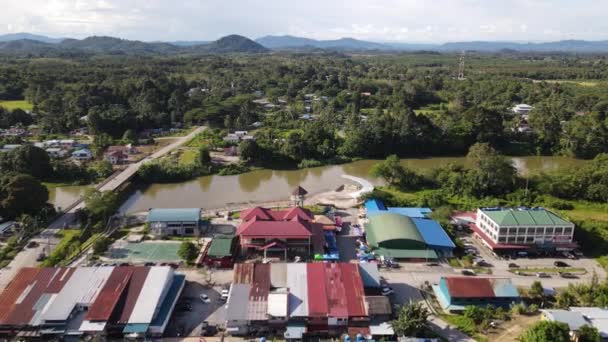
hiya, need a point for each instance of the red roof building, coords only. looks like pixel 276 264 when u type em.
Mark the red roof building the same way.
pixel 279 233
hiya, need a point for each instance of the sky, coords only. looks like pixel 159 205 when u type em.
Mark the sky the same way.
pixel 425 21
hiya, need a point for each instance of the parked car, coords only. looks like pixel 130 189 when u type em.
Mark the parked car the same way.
pixel 208 330
pixel 224 295
pixel 560 264
pixel 432 264
pixel 513 265
pixel 468 272
pixel 568 275
pixel 542 275
pixel 387 290
pixel 184 307
pixel 32 244
pixel 204 298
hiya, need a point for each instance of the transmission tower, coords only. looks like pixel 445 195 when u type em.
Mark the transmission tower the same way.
pixel 461 67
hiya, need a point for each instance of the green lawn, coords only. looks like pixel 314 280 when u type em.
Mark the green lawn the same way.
pixel 188 157
pixel 21 104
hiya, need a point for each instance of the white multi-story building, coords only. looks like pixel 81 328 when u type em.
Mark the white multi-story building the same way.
pixel 536 226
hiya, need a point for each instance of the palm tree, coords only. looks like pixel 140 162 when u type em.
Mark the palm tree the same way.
pixel 411 321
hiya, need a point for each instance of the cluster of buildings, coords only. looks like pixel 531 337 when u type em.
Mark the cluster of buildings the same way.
pixel 302 300
pixel 115 302
pixel 515 230
pixel 405 233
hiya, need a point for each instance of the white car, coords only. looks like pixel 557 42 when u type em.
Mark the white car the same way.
pixel 204 298
pixel 224 295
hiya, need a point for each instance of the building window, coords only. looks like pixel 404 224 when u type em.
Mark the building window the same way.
pixel 530 239
pixel 521 231
pixel 549 230
pixel 502 239
pixel 540 231
pixel 558 230
pixel 512 230
pixel 520 239
pixel 189 231
pixel 567 230
pixel 503 231
pixel 511 238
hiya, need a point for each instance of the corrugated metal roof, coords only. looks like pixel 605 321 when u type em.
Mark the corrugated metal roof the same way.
pixel 258 297
pixel 23 311
pixel 14 289
pixel 238 299
pixel 479 287
pixel 574 319
pixel 82 287
pixel 298 289
pixel 174 215
pixel 166 307
pixel 353 287
pixel 317 293
pixel 108 297
pixel 295 228
pixel 221 246
pixel 377 305
pixel 336 292
pixel 133 290
pixel 370 274
pixel 432 233
pixel 278 275
pixel 277 304
pixel 151 294
pixel 411 212
pixel 61 278
pixel 243 273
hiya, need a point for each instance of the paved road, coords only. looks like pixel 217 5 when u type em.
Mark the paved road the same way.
pixel 121 178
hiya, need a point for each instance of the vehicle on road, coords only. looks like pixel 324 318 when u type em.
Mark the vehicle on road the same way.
pixel 205 298
pixel 568 275
pixel 513 265
pixel 468 272
pixel 560 264
pixel 184 307
pixel 32 244
pixel 543 275
pixel 41 257
pixel 224 295
pixel 208 330
pixel 432 264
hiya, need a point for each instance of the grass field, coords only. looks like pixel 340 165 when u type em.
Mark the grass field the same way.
pixel 21 104
pixel 188 157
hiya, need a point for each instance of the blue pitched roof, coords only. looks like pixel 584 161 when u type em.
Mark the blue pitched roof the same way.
pixel 174 215
pixel 411 212
pixel 372 205
pixel 432 233
pixel 170 298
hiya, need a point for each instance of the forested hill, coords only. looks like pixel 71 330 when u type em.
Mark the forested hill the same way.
pixel 116 46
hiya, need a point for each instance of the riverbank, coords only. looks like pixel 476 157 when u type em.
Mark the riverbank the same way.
pixel 267 186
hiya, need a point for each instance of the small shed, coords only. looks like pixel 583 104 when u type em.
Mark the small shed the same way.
pixel 221 252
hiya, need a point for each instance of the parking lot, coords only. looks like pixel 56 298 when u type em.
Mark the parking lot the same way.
pixel 191 311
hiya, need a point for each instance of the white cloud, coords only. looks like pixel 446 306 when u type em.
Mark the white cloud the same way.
pixel 385 20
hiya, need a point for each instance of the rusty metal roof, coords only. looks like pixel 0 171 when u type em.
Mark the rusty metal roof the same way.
pixel 258 297
pixel 317 291
pixel 243 273
pixel 133 289
pixel 23 309
pixel 108 297
pixel 14 290
pixel 469 287
pixel 353 286
pixel 336 292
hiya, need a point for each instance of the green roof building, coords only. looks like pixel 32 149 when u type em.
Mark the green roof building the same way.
pixel 502 228
pixel 220 252
pixel 397 236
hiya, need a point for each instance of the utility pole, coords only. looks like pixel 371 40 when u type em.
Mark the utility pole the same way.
pixel 461 67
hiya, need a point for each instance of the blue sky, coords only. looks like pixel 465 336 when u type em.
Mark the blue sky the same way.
pixel 426 21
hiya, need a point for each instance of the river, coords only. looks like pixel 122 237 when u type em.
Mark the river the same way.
pixel 210 192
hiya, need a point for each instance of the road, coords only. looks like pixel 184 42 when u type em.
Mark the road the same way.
pixel 47 240
pixel 119 179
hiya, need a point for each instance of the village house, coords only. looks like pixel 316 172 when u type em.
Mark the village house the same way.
pixel 454 293
pixel 116 157
pixel 56 152
pixel 238 136
pixel 82 154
